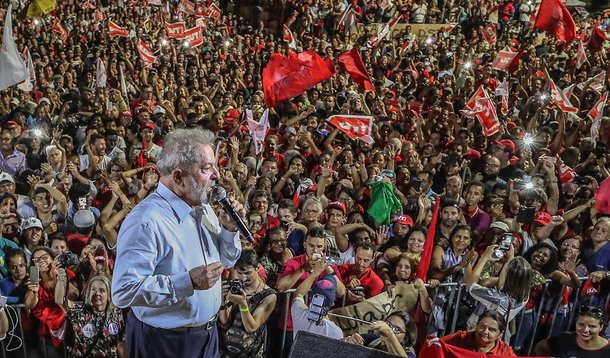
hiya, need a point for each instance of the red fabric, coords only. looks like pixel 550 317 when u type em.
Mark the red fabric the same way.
pixel 352 63
pixel 603 197
pixel 426 256
pixel 49 313
pixel 513 65
pixel 554 18
pixel 369 280
pixel 441 348
pixel 597 38
pixel 285 77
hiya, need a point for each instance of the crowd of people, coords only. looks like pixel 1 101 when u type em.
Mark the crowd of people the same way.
pixel 520 217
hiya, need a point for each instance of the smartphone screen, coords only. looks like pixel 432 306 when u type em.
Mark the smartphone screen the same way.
pixel 315 309
pixel 34 275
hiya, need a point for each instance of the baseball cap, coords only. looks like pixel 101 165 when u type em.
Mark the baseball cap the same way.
pixel 45 100
pixel 499 225
pixel 149 125
pixel 404 220
pixel 542 217
pixel 6 177
pixel 507 143
pixel 231 114
pixel 32 222
pixel 126 114
pixel 10 124
pixel 327 287
pixel 388 174
pixel 84 219
pixel 158 110
pixel 337 205
pixel 346 183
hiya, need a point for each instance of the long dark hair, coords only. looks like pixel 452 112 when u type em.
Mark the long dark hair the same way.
pixel 551 265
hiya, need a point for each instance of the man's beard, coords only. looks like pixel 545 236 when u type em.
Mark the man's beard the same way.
pixel 201 191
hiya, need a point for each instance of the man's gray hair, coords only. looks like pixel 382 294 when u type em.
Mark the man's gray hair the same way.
pixel 181 149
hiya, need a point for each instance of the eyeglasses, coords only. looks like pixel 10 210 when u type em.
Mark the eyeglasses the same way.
pixel 591 311
pixel 311 211
pixel 570 246
pixel 40 259
pixel 395 329
pixel 278 242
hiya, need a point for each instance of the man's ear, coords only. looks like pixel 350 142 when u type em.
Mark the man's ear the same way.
pixel 178 176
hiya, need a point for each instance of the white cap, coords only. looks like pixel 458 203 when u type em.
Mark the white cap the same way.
pixel 6 177
pixel 158 110
pixel 84 219
pixel 32 222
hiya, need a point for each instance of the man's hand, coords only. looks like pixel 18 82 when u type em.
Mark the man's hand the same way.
pixel 225 219
pixel 205 276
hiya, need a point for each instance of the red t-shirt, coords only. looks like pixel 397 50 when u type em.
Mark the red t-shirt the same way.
pixel 466 340
pixel 372 284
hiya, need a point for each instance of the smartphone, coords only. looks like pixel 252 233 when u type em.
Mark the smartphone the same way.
pixel 316 256
pixel 552 160
pixel 416 183
pixel 82 203
pixel 316 309
pixel 581 180
pixel 34 275
pixel 358 289
pixel 525 215
pixel 506 241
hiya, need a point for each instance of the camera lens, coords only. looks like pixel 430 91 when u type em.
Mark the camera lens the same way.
pixel 497 255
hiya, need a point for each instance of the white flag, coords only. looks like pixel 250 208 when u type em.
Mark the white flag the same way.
pixel 581 55
pixel 100 74
pixel 28 85
pixel 12 67
pixel 258 130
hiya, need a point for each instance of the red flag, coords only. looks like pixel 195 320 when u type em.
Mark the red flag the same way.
pixel 285 77
pixel 354 126
pixel 351 62
pixel 514 63
pixel 192 37
pixel 99 16
pixel 175 30
pixel 554 18
pixel 186 7
pixel 435 347
pixel 482 107
pixel 565 172
pixel 560 99
pixel 490 33
pixel 598 110
pixel 213 11
pixel 116 30
pixel 503 60
pixel 146 54
pixel 63 33
pixel 426 256
pixel 603 197
pixel 408 44
pixel 385 29
pixel 597 38
pixel 287 37
pixel 88 5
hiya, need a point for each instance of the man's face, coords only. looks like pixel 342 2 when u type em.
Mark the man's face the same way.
pixel 492 167
pixel 400 230
pixel 10 227
pixel 314 245
pixel 33 236
pixel 16 268
pixel 6 141
pixel 453 187
pixel 270 146
pixel 199 108
pixel 42 202
pixel 147 134
pixel 247 275
pixel 364 257
pixel 111 141
pixel 286 216
pixel 601 232
pixel 202 177
pixel 269 169
pixel 449 216
pixel 100 146
pixel 7 187
pixel 260 205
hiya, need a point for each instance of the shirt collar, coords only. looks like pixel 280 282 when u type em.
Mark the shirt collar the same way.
pixel 181 209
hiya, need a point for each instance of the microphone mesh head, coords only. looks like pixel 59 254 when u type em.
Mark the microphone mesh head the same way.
pixel 218 193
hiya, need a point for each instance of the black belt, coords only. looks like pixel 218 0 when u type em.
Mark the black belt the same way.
pixel 209 325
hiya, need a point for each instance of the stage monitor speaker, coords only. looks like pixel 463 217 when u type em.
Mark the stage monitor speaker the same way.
pixel 307 345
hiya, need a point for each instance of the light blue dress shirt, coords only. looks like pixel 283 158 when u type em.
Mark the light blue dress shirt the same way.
pixel 157 245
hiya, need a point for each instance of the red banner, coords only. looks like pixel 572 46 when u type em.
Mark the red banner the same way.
pixel 560 99
pixel 434 347
pixel 146 54
pixel 490 33
pixel 287 37
pixel 175 30
pixel 482 107
pixel 186 7
pixel 193 36
pixel 99 16
pixel 212 11
pixel 503 59
pixel 63 33
pixel 354 126
pixel 116 30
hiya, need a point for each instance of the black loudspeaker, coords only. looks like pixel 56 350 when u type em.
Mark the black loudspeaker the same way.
pixel 307 345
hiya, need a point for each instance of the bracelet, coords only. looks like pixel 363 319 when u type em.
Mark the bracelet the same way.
pixel 244 309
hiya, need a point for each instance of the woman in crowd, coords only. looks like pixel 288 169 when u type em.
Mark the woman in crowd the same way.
pixel 448 264
pixel 585 342
pixel 485 338
pixel 274 252
pixel 96 325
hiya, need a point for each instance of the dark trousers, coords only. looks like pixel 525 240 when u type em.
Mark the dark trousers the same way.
pixel 145 341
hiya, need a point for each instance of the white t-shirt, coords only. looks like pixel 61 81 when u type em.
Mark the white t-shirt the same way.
pixel 299 311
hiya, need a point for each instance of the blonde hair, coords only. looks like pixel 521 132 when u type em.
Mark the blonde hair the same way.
pixel 88 294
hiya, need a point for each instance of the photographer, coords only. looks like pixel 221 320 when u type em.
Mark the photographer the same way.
pixel 247 304
pixel 47 292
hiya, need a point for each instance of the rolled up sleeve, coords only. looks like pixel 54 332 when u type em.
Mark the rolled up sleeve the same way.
pixel 134 281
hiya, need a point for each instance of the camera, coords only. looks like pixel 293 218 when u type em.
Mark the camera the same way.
pixel 235 287
pixel 505 243
pixel 68 259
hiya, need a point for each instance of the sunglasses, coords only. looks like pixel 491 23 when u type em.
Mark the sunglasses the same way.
pixel 591 311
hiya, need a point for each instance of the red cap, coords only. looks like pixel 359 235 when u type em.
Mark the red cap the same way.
pixel 11 123
pixel 337 205
pixel 507 143
pixel 149 125
pixel 231 114
pixel 404 220
pixel 126 114
pixel 542 217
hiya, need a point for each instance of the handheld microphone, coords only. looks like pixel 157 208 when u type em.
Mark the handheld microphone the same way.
pixel 220 195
